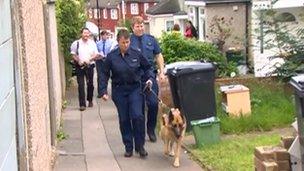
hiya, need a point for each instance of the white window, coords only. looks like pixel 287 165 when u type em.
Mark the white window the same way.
pixel 169 25
pixel 192 15
pixel 191 10
pixel 114 14
pixel 95 13
pixel 146 6
pixel 105 14
pixel 134 8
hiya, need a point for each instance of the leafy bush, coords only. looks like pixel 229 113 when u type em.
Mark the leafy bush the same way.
pixel 286 38
pixel 176 48
pixel 70 15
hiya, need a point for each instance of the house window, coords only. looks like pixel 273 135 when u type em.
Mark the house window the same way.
pixel 286 17
pixel 169 25
pixel 134 8
pixel 191 14
pixel 114 14
pixel 105 14
pixel 191 10
pixel 95 13
pixel 146 6
pixel 202 24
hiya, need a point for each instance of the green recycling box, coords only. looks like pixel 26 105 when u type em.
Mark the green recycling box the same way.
pixel 206 131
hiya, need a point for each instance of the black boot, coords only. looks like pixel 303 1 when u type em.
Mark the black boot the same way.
pixel 128 154
pixel 152 136
pixel 142 152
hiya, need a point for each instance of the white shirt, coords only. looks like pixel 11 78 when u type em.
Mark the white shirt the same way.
pixel 85 50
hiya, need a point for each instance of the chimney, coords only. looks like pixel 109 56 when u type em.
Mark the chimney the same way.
pixel 181 5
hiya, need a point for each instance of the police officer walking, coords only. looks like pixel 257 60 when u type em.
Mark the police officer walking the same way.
pixel 84 53
pixel 150 49
pixel 126 65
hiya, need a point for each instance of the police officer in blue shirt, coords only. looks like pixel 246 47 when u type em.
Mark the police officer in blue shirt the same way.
pixel 126 66
pixel 150 49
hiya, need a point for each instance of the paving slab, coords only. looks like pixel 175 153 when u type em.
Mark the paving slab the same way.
pixel 155 160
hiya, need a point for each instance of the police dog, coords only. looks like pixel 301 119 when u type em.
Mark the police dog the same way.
pixel 172 132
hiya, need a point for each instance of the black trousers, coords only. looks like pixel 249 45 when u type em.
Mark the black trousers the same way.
pixel 83 74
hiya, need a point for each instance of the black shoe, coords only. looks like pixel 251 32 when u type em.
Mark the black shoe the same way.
pixel 142 152
pixel 128 154
pixel 90 104
pixel 152 137
pixel 82 108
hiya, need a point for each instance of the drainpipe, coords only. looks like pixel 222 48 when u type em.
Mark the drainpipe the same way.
pixel 98 18
pixel 123 11
pixel 52 63
pixel 246 33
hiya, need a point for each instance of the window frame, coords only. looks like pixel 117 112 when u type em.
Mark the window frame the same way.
pixel 168 24
pixel 134 11
pixel 146 7
pixel 114 15
pixel 105 13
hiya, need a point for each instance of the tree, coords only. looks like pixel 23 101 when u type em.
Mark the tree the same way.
pixel 220 29
pixel 280 33
pixel 70 15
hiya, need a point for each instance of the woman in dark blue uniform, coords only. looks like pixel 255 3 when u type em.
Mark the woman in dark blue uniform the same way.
pixel 150 49
pixel 125 65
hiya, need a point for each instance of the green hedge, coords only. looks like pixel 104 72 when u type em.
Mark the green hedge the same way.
pixel 70 15
pixel 176 48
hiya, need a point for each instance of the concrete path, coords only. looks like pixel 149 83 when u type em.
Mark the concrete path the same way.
pixel 94 143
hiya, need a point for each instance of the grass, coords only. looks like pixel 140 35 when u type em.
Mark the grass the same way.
pixel 60 134
pixel 233 154
pixel 271 106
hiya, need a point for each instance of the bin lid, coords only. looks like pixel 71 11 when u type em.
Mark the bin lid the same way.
pixel 212 119
pixel 178 68
pixel 233 88
pixel 298 84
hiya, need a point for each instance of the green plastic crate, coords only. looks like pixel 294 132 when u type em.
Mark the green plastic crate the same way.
pixel 206 131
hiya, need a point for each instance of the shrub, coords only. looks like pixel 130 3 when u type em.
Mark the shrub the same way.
pixel 176 48
pixel 70 15
pixel 283 36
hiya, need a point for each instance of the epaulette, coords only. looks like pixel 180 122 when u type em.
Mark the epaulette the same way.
pixel 150 36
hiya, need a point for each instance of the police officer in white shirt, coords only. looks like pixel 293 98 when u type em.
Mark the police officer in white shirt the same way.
pixel 84 51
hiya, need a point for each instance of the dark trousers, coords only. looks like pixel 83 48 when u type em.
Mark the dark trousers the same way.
pixel 152 104
pixel 87 74
pixel 128 101
pixel 99 66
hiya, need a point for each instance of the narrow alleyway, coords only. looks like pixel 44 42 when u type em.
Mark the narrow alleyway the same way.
pixel 94 143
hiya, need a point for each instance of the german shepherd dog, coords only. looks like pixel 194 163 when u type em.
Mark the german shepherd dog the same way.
pixel 172 132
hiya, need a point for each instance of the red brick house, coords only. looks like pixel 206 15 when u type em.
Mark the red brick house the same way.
pixel 113 13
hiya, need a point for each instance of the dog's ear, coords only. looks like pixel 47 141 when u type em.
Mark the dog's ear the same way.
pixel 184 120
pixel 165 119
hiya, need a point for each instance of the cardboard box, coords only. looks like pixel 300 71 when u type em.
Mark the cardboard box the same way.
pixel 264 153
pixel 283 165
pixel 270 153
pixel 287 141
pixel 265 165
